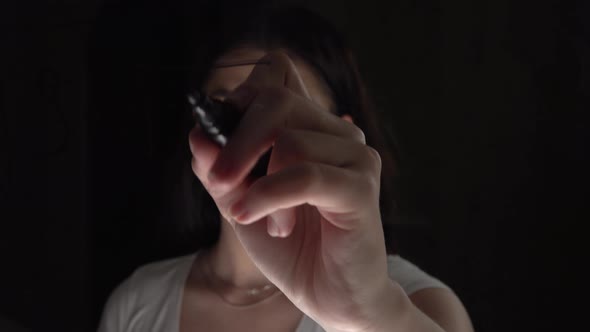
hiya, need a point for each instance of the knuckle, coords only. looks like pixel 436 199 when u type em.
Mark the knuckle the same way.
pixel 275 99
pixel 191 144
pixel 372 177
pixel 277 93
pixel 261 187
pixel 290 146
pixel 357 133
pixel 375 157
pixel 280 57
pixel 311 174
pixel 197 172
pixel 194 165
pixel 370 186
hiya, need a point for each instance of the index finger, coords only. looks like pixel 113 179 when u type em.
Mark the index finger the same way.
pixel 275 69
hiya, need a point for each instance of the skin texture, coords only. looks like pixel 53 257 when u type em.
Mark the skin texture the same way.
pixel 311 223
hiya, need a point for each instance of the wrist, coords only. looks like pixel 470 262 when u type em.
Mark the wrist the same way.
pixel 388 311
pixel 393 309
pixel 398 313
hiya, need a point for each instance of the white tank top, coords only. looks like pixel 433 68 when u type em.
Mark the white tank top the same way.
pixel 150 299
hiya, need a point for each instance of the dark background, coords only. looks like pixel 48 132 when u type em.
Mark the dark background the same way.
pixel 485 99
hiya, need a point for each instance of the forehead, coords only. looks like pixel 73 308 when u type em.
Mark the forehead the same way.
pixel 224 80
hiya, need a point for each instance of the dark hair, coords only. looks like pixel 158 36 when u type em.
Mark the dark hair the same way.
pixel 303 32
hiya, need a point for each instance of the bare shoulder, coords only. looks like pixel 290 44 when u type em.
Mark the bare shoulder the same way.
pixel 148 287
pixel 430 295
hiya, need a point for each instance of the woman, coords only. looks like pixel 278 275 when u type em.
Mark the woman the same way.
pixel 302 248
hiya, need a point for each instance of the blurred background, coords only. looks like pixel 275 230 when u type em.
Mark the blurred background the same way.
pixel 485 100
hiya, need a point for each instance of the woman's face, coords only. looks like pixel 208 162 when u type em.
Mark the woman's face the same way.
pixel 224 80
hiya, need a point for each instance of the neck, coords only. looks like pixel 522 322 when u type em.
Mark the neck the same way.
pixel 229 261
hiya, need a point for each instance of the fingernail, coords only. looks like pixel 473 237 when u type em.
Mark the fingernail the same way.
pixel 273 230
pixel 273 227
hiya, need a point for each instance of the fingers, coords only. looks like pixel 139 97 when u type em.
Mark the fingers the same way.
pixel 275 69
pixel 281 222
pixel 271 112
pixel 296 145
pixel 276 98
pixel 342 193
pixel 316 155
pixel 204 153
pixel 279 72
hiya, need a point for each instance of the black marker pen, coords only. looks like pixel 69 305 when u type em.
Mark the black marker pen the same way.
pixel 219 120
